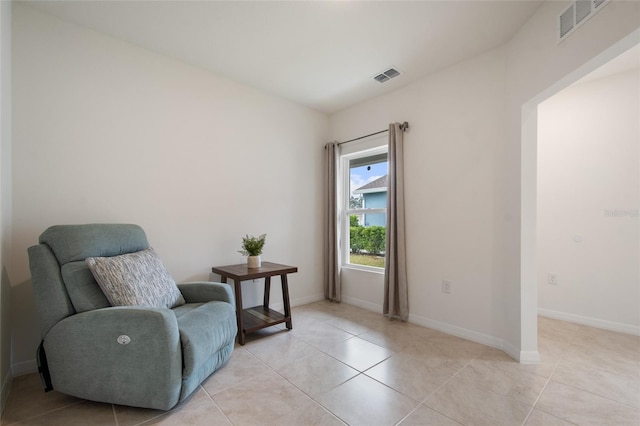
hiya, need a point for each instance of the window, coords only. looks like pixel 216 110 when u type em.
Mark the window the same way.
pixel 365 207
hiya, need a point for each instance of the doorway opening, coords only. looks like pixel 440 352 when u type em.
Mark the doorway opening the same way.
pixel 529 193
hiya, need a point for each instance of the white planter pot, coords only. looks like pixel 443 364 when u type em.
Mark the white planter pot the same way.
pixel 253 261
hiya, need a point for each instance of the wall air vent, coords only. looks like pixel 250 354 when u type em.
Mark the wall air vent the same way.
pixel 567 20
pixel 583 9
pixel 577 14
pixel 387 75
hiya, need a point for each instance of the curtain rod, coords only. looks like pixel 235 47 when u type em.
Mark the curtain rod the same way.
pixel 404 126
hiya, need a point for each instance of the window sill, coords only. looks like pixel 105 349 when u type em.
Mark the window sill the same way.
pixel 363 268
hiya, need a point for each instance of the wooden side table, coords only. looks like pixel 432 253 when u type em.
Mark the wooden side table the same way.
pixel 258 317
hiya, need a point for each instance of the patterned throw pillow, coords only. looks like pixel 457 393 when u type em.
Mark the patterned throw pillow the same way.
pixel 136 279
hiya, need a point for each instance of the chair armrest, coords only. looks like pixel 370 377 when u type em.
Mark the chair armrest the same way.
pixel 201 292
pixel 86 358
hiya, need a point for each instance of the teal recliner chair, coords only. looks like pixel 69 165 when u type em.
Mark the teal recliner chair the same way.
pixel 131 355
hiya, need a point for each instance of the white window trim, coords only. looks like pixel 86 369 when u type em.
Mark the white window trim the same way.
pixel 343 204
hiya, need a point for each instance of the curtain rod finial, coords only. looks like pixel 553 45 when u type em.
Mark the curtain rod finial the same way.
pixel 405 126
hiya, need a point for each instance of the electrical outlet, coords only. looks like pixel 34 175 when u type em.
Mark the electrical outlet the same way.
pixel 552 278
pixel 446 286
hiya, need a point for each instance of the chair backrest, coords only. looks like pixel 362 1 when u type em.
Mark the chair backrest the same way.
pixel 62 282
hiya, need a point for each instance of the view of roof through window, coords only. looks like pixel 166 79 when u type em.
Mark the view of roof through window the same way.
pixel 367 190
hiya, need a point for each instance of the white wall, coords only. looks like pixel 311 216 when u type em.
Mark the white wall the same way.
pixel 108 132
pixel 463 176
pixel 108 113
pixel 5 199
pixel 455 138
pixel 538 67
pixel 588 199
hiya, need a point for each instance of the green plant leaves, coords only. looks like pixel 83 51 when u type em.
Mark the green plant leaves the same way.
pixel 252 246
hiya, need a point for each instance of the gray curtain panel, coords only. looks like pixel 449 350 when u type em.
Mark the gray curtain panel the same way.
pixel 396 297
pixel 332 284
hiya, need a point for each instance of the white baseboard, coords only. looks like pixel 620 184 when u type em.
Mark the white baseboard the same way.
pixel 279 306
pixel 24 367
pixel 307 299
pixel 369 306
pixel 591 322
pixel 4 391
pixel 454 330
pixel 527 357
pixel 523 357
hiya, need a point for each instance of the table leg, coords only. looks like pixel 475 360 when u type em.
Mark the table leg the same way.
pixel 238 291
pixel 285 297
pixel 267 291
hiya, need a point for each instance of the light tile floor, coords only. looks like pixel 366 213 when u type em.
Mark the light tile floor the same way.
pixel 342 364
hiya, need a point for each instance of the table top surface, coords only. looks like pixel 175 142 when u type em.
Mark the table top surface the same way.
pixel 241 271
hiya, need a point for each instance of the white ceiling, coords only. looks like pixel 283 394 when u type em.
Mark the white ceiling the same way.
pixel 322 54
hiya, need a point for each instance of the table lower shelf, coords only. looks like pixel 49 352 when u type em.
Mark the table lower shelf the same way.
pixel 260 317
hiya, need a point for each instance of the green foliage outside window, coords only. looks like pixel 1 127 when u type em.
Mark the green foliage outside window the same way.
pixel 356 202
pixel 370 239
pixel 356 242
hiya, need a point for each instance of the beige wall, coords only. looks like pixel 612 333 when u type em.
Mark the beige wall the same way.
pixel 108 132
pixel 539 67
pixel 463 177
pixel 588 196
pixel 127 135
pixel 456 131
pixel 5 200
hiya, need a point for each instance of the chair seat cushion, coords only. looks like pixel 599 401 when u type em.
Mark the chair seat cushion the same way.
pixel 205 328
pixel 136 279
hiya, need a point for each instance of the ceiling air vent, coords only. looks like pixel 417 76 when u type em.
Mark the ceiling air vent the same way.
pixel 387 75
pixel 577 14
pixel 381 78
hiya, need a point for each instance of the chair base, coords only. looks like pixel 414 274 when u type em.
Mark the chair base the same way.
pixel 43 368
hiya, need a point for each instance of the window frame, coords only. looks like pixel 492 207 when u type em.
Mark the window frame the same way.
pixel 343 203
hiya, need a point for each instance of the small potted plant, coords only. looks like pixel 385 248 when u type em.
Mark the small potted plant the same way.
pixel 252 248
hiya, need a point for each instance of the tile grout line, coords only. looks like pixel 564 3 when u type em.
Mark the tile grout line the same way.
pixel 359 372
pixel 230 387
pixel 47 413
pixel 282 377
pixel 597 395
pixel 241 382
pixel 564 360
pixel 216 404
pixel 421 403
pixel 115 416
pixel 574 341
pixel 555 368
pixel 409 414
pixel 443 384
pixel 311 398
